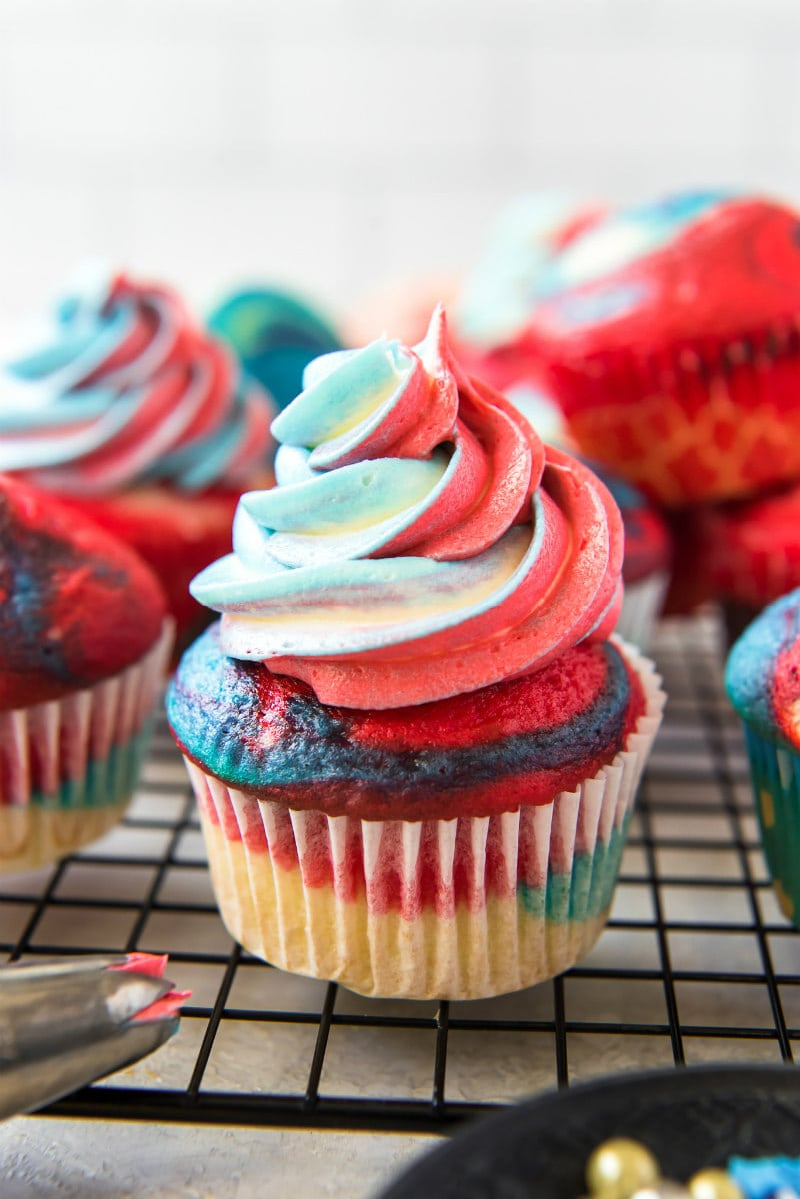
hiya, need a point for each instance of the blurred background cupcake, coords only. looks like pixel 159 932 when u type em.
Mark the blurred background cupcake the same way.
pixel 84 638
pixel 762 676
pixel 669 335
pixel 751 553
pixel 120 404
pixel 274 333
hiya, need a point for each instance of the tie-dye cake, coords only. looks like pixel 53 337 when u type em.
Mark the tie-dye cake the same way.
pixel 762 676
pixel 669 334
pixel 414 747
pixel 84 638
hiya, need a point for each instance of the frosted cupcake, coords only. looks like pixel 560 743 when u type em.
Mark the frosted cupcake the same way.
pixel 122 406
pixel 84 639
pixel 274 334
pixel 751 552
pixel 762 676
pixel 414 748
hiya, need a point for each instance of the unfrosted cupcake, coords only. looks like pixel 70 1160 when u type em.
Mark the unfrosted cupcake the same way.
pixel 414 747
pixel 122 406
pixel 762 676
pixel 669 334
pixel 84 637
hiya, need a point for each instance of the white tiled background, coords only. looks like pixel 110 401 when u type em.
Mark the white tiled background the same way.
pixel 334 144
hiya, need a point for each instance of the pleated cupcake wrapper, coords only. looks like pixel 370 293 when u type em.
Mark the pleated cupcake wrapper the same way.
pixel 68 767
pixel 642 602
pixel 775 774
pixel 475 941
pixel 684 395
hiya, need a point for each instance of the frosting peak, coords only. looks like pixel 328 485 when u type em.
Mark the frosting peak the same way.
pixel 421 540
pixel 119 387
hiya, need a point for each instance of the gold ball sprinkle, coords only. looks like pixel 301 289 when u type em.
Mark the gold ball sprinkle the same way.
pixel 619 1167
pixel 713 1184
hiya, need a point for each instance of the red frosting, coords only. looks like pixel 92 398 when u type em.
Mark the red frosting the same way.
pixel 76 606
pixel 692 390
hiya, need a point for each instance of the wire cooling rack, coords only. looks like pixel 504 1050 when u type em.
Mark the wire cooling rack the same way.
pixel 697 964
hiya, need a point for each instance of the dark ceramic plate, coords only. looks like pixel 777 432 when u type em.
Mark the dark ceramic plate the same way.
pixel 690 1118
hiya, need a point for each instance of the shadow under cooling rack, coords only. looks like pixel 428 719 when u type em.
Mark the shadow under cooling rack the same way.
pixel 696 965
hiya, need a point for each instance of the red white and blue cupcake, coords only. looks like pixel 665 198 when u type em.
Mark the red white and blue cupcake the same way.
pixel 762 676
pixel 126 409
pixel 84 638
pixel 414 747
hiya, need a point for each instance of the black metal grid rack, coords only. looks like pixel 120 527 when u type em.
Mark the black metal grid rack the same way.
pixel 697 963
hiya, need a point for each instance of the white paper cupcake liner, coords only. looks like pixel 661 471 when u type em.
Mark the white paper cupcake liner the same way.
pixel 68 767
pixel 642 603
pixel 337 897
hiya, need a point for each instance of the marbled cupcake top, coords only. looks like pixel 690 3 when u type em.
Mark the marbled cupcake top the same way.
pixel 120 387
pixel 486 751
pixel 421 542
pixel 76 606
pixel 762 673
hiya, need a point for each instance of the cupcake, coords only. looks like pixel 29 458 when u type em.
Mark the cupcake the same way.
pixel 274 334
pixel 133 415
pixel 669 334
pixel 751 551
pixel 84 636
pixel 414 746
pixel 762 676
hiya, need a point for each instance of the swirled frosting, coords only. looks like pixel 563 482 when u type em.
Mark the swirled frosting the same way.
pixel 421 540
pixel 762 674
pixel 121 387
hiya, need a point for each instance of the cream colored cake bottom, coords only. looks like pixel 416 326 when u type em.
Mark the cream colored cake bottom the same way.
pixel 502 947
pixel 32 836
